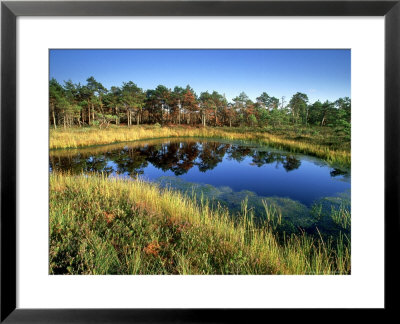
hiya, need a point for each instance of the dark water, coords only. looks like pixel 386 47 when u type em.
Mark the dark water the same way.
pixel 222 170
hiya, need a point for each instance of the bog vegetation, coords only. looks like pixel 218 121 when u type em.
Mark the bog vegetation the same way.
pixel 101 225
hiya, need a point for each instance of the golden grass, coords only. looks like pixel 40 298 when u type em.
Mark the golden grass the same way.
pixel 102 225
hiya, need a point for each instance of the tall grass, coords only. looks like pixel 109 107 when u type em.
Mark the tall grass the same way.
pixel 341 216
pixel 101 225
pixel 274 216
pixel 81 137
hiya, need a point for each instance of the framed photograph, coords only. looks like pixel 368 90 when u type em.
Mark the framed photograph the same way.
pixel 197 161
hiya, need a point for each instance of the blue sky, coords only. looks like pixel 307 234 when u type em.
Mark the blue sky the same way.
pixel 321 74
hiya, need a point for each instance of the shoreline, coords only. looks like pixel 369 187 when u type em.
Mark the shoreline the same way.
pixel 91 137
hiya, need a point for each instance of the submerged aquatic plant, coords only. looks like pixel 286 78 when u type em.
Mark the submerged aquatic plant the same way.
pixel 316 211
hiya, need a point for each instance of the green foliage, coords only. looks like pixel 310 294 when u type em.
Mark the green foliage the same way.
pixel 253 120
pixel 182 106
pixel 299 107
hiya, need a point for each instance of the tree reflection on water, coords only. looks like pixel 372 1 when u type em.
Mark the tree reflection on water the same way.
pixel 178 157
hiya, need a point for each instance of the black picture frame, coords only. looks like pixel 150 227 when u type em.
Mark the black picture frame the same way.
pixel 10 10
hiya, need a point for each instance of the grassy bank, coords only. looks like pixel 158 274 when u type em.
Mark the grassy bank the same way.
pixel 307 142
pixel 114 226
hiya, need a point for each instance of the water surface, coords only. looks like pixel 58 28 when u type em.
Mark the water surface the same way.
pixel 223 170
pixel 240 166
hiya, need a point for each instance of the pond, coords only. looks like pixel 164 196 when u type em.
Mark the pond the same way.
pixel 227 172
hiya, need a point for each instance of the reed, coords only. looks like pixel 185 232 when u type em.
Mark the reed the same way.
pixel 273 215
pixel 101 225
pixel 341 216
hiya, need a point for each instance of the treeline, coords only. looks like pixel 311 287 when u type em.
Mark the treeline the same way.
pixel 92 104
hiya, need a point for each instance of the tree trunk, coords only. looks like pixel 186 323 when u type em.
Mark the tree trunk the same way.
pixel 54 120
pixel 179 112
pixel 306 115
pixel 89 114
pixel 117 113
